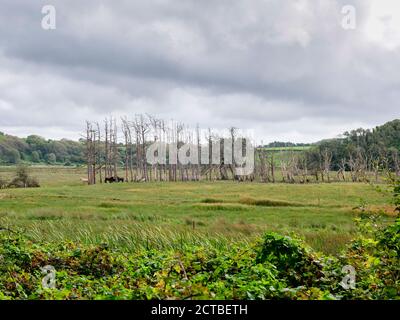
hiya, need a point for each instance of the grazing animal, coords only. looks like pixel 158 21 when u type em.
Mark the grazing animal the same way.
pixel 109 180
pixel 112 179
pixel 84 180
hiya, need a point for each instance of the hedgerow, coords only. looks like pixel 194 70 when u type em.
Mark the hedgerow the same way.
pixel 274 267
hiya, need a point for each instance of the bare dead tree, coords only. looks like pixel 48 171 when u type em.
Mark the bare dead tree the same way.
pixel 141 129
pixel 210 149
pixel 106 150
pixel 198 146
pixel 90 153
pixel 232 164
pixel 154 129
pixel 284 169
pixel 376 168
pixel 302 168
pixel 341 174
pixel 128 148
pixel 272 166
pixel 114 148
pixel 326 160
pixel 105 155
pixel 263 167
pixel 353 166
pixel 396 162
pixel 362 165
pixel 99 154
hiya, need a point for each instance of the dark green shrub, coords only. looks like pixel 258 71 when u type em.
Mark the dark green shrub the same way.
pixel 374 255
pixel 294 260
pixel 275 267
pixel 23 180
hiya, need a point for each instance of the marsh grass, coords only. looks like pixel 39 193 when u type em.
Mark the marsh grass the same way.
pixel 221 207
pixel 268 203
pixel 130 216
pixel 127 237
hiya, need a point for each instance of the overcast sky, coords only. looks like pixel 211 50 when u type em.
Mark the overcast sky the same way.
pixel 286 69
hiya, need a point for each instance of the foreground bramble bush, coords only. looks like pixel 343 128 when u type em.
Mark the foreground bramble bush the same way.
pixel 376 257
pixel 275 267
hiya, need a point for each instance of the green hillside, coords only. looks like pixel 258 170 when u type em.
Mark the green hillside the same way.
pixel 35 149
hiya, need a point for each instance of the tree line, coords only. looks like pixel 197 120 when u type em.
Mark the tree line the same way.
pixel 113 148
pixel 118 151
pixel 360 155
pixel 35 149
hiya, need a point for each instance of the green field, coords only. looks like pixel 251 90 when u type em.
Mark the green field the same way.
pixel 136 215
pixel 295 148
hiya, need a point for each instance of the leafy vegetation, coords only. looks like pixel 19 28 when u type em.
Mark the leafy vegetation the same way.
pixel 35 149
pixel 273 267
pixel 163 215
pixel 377 148
pixel 380 146
pixel 22 179
pixel 198 240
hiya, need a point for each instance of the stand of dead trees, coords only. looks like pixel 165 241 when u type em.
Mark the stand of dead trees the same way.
pixel 119 153
pixel 116 153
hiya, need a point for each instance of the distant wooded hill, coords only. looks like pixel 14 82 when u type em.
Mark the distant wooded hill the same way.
pixel 35 149
pixel 361 149
pixel 379 145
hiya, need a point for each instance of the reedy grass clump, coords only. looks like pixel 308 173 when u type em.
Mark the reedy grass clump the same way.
pixel 272 267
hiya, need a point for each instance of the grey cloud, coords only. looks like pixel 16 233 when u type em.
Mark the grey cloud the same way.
pixel 265 63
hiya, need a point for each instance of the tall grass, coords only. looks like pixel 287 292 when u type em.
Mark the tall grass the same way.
pixel 162 215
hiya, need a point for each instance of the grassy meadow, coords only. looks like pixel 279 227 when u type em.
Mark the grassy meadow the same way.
pixel 129 216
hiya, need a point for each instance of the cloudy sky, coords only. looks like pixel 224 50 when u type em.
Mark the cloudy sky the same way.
pixel 286 69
